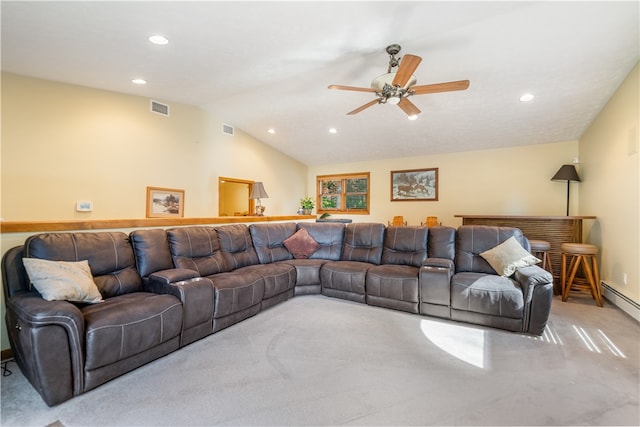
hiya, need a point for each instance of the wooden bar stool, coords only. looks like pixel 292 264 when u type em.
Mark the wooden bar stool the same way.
pixel 585 255
pixel 540 249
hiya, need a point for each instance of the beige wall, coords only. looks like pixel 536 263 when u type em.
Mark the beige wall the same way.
pixel 62 143
pixel 610 187
pixel 507 181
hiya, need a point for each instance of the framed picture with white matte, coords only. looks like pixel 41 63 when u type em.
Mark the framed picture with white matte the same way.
pixel 164 202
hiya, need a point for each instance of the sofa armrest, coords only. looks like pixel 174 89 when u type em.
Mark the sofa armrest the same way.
pixel 537 290
pixel 47 338
pixel 530 277
pixel 173 275
pixel 176 282
pixel 196 294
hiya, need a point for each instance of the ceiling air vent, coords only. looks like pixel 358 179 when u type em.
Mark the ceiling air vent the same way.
pixel 228 129
pixel 159 108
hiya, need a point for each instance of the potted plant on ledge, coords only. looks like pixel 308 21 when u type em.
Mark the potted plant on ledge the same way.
pixel 307 204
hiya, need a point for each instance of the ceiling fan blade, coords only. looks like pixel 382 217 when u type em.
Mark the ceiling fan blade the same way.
pixel 358 89
pixel 408 65
pixel 408 107
pixel 365 106
pixel 440 87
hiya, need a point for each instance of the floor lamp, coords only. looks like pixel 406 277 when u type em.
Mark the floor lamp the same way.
pixel 566 173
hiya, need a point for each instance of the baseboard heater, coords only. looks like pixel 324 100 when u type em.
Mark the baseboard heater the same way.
pixel 621 301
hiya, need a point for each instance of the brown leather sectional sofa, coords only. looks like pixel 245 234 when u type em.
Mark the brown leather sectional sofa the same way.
pixel 164 289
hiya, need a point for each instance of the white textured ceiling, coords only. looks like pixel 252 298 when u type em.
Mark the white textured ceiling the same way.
pixel 260 65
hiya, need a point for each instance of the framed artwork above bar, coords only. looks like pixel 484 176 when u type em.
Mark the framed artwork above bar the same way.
pixel 414 185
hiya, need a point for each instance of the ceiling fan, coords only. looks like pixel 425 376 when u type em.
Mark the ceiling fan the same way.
pixel 396 87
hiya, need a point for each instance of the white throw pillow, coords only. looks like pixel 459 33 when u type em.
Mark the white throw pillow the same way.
pixel 508 256
pixel 62 280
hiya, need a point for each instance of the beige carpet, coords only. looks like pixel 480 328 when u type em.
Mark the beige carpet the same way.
pixel 315 360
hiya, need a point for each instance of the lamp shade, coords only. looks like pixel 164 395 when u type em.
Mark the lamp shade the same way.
pixel 566 173
pixel 258 191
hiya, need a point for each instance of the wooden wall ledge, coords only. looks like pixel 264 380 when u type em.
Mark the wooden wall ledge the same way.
pixel 527 217
pixel 100 224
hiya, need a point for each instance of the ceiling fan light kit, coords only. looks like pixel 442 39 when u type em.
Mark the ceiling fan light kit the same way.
pixel 396 87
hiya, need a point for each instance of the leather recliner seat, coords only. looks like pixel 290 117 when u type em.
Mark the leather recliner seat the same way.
pixel 66 349
pixel 361 250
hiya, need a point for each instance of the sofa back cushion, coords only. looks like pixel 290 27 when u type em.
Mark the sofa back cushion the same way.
pixel 405 245
pixel 363 242
pixel 268 240
pixel 330 237
pixel 151 249
pixel 472 240
pixel 198 249
pixel 236 246
pixel 442 243
pixel 109 254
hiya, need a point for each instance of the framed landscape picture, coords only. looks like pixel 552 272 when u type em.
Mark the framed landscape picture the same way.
pixel 414 184
pixel 164 202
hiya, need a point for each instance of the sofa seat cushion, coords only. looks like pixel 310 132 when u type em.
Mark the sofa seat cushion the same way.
pixel 396 282
pixel 487 294
pixel 345 276
pixel 307 270
pixel 278 277
pixel 236 291
pixel 129 324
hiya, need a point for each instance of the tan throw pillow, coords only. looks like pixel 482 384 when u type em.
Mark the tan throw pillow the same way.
pixel 301 244
pixel 508 256
pixel 62 280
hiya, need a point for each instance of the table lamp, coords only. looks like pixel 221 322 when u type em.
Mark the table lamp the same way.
pixel 258 192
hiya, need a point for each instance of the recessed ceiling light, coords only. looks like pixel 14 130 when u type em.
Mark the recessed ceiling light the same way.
pixel 271 131
pixel 333 130
pixel 158 39
pixel 412 117
pixel 139 81
pixel 527 97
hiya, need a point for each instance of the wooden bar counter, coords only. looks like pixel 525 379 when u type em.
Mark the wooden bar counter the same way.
pixel 554 229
